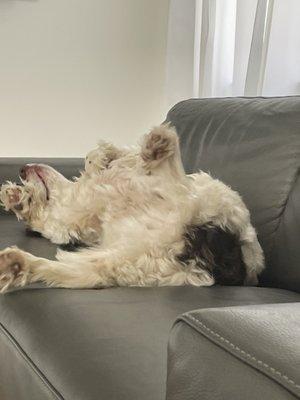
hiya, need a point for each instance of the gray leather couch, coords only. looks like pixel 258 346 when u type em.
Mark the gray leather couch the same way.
pixel 179 343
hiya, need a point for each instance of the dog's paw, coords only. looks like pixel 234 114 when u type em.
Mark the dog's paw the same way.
pixel 11 196
pixel 160 144
pixel 13 268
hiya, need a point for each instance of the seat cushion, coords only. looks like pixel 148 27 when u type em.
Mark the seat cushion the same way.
pixel 14 233
pixel 100 344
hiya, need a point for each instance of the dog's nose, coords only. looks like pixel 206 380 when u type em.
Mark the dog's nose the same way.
pixel 23 172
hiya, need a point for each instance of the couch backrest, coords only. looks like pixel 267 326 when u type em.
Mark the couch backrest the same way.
pixel 252 144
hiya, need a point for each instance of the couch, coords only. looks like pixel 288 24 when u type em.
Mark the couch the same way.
pixel 174 343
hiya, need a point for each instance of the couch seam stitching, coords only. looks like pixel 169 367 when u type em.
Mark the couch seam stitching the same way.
pixel 273 371
pixel 46 383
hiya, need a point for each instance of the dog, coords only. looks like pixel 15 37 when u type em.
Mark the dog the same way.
pixel 145 221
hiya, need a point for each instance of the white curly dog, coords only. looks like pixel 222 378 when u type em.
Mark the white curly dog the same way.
pixel 146 223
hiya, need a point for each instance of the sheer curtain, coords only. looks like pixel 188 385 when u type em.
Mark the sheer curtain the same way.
pixel 233 48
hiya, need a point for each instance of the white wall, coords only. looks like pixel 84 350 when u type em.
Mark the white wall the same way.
pixel 75 71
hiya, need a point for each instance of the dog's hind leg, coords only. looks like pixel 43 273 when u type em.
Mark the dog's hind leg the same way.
pixel 88 268
pixel 95 268
pixel 160 153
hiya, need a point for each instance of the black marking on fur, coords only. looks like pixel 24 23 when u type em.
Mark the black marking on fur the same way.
pixel 216 250
pixel 31 233
pixel 72 246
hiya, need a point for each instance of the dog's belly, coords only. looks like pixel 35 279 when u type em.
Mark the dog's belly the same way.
pixel 215 250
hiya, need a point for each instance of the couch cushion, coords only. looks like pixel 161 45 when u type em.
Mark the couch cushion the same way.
pixel 252 144
pixel 101 344
pixel 14 233
pixel 208 359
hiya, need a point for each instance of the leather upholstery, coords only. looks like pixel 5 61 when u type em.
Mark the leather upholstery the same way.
pixel 257 359
pixel 96 344
pixel 252 144
pixel 102 344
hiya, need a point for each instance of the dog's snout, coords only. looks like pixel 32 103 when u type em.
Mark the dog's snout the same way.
pixel 23 172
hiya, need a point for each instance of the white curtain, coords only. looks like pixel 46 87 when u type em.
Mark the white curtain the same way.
pixel 233 48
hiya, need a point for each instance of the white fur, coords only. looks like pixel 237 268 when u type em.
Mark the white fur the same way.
pixel 133 207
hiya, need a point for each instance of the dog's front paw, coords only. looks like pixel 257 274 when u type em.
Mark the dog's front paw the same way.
pixel 13 268
pixel 11 196
pixel 159 144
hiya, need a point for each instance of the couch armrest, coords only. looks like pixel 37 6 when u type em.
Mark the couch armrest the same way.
pixel 248 353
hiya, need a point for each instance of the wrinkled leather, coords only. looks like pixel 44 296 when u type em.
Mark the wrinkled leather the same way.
pixel 252 144
pixel 105 344
pixel 236 353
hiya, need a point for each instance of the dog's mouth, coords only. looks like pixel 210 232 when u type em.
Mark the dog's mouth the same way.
pixel 25 177
pixel 45 185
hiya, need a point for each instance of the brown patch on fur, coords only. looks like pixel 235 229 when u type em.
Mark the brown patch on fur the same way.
pixel 11 262
pixel 159 144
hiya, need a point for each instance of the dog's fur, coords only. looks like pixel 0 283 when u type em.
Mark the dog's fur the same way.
pixel 148 222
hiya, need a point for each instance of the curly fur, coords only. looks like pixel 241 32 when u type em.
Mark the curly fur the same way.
pixel 133 207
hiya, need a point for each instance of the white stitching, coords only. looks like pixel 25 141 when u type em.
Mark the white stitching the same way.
pixel 251 357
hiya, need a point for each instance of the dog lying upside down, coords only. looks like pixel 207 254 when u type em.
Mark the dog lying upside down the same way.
pixel 146 222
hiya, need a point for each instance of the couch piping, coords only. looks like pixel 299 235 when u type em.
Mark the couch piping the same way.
pixel 261 365
pixel 54 392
